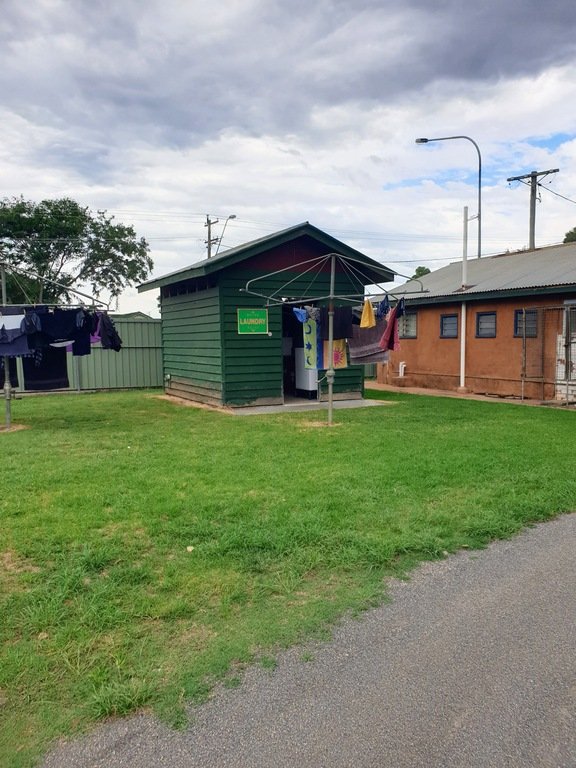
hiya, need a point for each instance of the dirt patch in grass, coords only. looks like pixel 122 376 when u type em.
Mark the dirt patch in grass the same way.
pixel 14 428
pixel 10 562
pixel 192 404
pixel 11 568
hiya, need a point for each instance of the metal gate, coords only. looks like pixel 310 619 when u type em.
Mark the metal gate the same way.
pixel 549 350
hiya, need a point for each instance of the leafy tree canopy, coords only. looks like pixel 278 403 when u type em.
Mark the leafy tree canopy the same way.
pixel 570 236
pixel 420 272
pixel 54 246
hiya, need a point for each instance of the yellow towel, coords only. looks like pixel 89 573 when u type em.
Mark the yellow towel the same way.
pixel 367 320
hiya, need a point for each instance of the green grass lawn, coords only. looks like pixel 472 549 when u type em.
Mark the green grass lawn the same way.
pixel 148 549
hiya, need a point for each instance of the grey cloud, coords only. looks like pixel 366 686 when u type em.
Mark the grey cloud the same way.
pixel 183 72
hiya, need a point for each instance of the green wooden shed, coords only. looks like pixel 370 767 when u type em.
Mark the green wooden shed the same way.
pixel 208 356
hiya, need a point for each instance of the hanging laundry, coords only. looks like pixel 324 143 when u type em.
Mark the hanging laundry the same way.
pixel 300 314
pixel 311 341
pixel 313 312
pixel 364 346
pixel 108 334
pixel 339 357
pixel 12 322
pixel 32 327
pixel 342 323
pixel 25 330
pixel 13 342
pixel 390 338
pixel 367 320
pixel 383 308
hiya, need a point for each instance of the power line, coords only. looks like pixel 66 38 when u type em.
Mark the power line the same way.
pixel 547 189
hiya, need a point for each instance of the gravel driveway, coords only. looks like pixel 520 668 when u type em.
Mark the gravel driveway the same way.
pixel 471 664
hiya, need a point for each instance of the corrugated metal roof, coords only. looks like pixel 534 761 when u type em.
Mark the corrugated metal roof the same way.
pixel 543 268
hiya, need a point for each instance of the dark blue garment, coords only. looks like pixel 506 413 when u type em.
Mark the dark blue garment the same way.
pixel 13 343
pixel 342 324
pixel 60 325
pixel 73 325
pixel 109 337
pixel 383 308
pixel 31 323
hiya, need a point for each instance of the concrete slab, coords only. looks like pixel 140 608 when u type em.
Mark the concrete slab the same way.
pixel 293 406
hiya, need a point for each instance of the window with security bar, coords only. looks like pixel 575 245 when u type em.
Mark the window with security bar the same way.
pixel 486 325
pixel 407 326
pixel 526 323
pixel 448 326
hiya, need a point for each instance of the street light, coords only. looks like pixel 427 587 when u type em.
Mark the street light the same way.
pixel 449 138
pixel 232 216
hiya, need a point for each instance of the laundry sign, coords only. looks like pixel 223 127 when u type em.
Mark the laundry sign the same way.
pixel 252 321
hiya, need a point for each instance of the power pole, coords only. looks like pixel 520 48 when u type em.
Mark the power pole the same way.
pixel 211 240
pixel 533 176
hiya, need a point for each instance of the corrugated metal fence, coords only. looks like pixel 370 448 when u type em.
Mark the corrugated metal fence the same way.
pixel 137 365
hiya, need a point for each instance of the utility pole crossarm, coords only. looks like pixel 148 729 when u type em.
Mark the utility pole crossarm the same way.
pixel 533 176
pixel 533 173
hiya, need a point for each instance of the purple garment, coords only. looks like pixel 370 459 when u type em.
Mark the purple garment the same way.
pixel 95 337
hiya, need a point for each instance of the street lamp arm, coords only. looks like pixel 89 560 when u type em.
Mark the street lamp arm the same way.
pixel 232 216
pixel 467 138
pixel 449 138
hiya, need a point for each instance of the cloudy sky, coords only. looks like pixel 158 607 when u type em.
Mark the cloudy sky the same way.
pixel 283 111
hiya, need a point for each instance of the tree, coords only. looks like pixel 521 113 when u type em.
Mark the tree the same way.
pixel 54 246
pixel 570 236
pixel 420 272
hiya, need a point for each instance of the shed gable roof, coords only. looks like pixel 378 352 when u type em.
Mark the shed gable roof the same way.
pixel 246 251
pixel 543 270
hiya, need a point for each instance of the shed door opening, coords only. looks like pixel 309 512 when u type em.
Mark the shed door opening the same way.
pixel 298 381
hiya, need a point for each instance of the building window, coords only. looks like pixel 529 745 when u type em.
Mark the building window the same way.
pixel 485 325
pixel 448 326
pixel 526 323
pixel 407 325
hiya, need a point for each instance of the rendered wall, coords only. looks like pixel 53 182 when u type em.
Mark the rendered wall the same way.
pixel 494 366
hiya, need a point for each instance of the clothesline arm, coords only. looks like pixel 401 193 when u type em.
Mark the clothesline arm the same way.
pixel 29 273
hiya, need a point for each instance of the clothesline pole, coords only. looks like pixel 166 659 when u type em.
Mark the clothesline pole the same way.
pixel 7 385
pixel 284 296
pixel 330 371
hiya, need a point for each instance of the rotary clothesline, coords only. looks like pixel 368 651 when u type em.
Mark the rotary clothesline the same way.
pixel 317 266
pixel 350 268
pixel 27 328
pixel 27 331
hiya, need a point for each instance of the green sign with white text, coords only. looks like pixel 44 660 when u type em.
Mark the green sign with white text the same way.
pixel 252 321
